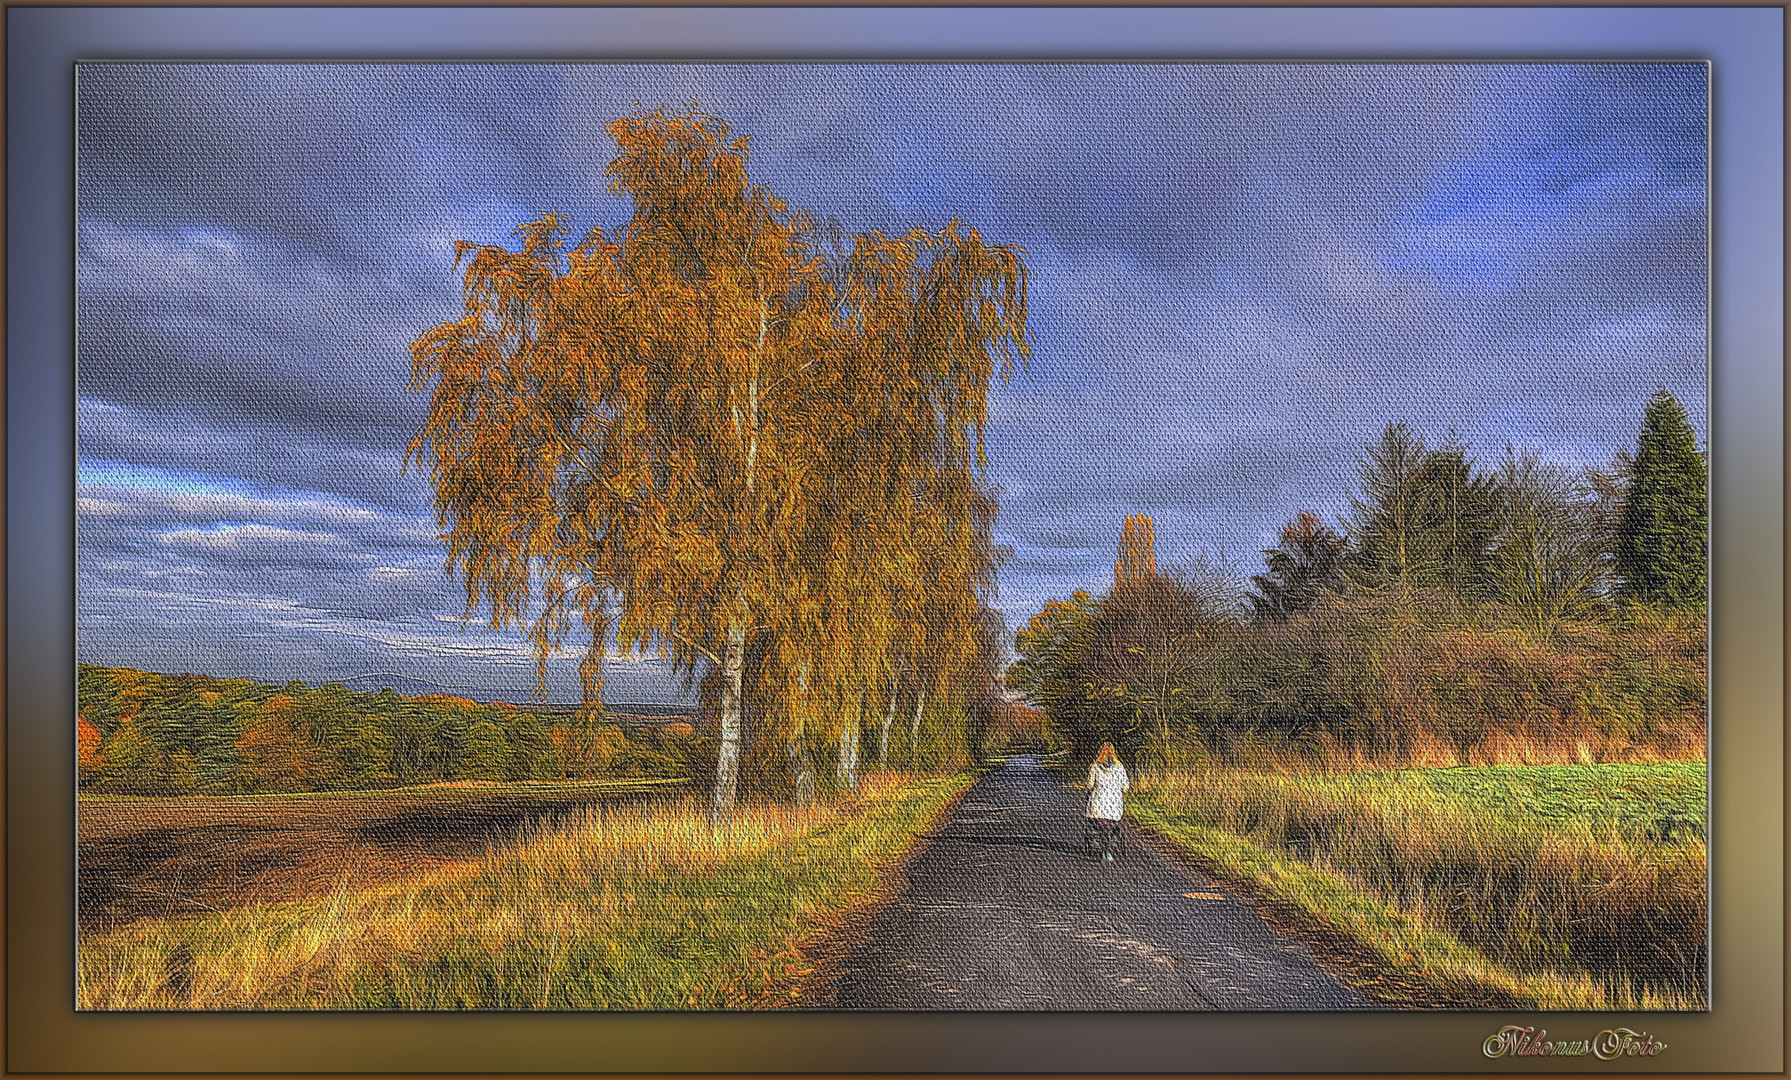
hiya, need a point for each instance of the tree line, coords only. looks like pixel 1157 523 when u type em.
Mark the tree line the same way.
pixel 737 437
pixel 1525 612
pixel 144 733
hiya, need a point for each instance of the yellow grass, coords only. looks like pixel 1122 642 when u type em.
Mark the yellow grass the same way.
pixel 1524 888
pixel 639 907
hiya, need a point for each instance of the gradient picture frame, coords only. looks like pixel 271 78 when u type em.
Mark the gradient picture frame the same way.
pixel 1741 1033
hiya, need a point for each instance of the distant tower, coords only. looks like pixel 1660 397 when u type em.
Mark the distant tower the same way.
pixel 1137 551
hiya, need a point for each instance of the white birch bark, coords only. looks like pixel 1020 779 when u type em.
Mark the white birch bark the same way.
pixel 727 758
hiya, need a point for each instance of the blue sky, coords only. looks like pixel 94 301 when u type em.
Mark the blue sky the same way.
pixel 1241 274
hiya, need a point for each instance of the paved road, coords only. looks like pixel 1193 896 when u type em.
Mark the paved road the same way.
pixel 1003 911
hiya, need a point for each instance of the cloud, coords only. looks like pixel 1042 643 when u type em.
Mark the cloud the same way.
pixel 1241 273
pixel 184 626
pixel 224 506
pixel 253 452
pixel 236 329
pixel 117 515
pixel 387 593
pixel 236 537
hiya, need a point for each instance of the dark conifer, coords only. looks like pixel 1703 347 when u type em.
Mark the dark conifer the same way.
pixel 1663 539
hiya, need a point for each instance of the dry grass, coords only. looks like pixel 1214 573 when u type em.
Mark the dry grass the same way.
pixel 1322 752
pixel 1559 886
pixel 640 907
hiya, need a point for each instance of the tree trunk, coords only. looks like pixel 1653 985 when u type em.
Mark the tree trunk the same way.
pixel 727 758
pixel 883 739
pixel 920 702
pixel 849 753
pixel 802 766
pixel 802 771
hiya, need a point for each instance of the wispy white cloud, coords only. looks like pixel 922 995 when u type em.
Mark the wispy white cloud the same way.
pixel 100 507
pixel 240 536
pixel 223 506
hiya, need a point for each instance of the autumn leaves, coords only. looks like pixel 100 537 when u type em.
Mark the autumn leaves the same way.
pixel 719 434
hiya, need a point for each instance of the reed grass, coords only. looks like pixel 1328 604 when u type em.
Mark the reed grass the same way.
pixel 1567 887
pixel 634 907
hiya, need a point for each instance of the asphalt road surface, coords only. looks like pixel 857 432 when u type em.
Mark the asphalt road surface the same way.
pixel 1005 910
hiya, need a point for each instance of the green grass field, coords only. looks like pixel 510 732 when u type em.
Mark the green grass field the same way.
pixel 1565 886
pixel 1628 800
pixel 638 907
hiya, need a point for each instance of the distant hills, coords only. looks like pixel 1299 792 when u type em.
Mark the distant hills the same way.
pixel 405 686
pixel 402 685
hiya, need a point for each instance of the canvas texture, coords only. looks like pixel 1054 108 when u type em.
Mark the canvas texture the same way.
pixel 662 537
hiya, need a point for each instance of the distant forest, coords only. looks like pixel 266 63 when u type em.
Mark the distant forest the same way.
pixel 143 733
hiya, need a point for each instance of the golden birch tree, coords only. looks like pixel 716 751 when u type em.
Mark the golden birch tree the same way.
pixel 677 435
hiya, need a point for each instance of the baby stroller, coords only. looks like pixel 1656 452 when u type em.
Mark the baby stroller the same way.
pixel 1092 839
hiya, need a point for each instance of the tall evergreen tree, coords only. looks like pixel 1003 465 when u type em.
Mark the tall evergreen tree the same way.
pixel 1663 538
pixel 1385 513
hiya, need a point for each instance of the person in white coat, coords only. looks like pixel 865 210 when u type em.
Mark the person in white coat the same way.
pixel 1107 786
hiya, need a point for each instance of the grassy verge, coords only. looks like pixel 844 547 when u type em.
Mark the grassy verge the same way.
pixel 629 908
pixel 1563 887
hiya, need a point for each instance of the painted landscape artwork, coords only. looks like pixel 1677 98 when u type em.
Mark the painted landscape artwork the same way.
pixel 892 536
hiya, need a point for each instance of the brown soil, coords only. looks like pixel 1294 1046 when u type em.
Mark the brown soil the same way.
pixel 171 858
